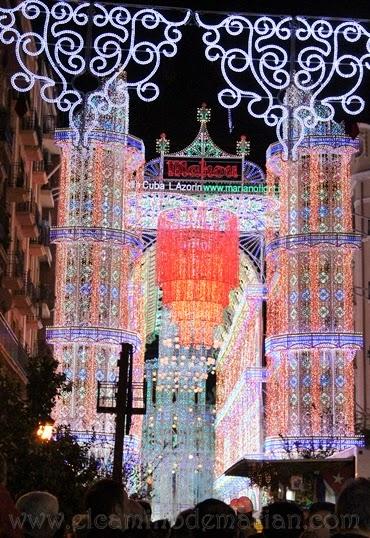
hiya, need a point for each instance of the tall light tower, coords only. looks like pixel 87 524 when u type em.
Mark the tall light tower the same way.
pixel 98 280
pixel 311 343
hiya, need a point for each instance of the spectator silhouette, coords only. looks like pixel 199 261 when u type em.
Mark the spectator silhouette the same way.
pixel 39 512
pixel 353 509
pixel 215 519
pixel 282 520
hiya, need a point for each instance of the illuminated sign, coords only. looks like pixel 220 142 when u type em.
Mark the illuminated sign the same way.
pixel 188 168
pixel 211 188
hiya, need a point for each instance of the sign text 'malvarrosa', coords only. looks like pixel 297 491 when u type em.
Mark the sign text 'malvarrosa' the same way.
pixel 190 168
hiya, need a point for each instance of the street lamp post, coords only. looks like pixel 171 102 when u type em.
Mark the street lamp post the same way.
pixel 123 388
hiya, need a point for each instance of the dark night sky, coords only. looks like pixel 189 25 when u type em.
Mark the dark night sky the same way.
pixel 189 79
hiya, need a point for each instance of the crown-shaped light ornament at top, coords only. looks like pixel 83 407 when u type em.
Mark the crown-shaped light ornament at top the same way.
pixel 203 145
pixel 162 144
pixel 243 146
pixel 204 113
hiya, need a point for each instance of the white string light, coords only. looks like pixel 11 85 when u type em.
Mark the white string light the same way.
pixel 317 63
pixel 116 50
pixel 326 51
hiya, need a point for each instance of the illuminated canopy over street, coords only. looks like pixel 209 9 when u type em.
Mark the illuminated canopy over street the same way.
pixel 232 284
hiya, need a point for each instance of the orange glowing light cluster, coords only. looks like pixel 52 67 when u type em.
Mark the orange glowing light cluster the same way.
pixel 197 267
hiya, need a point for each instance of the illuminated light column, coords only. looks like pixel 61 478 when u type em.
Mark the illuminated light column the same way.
pixel 99 295
pixel 310 341
pixel 178 439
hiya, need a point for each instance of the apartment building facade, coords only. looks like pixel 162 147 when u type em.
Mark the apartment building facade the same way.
pixel 360 172
pixel 29 165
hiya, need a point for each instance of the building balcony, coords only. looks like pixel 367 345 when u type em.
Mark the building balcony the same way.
pixel 34 322
pixel 33 153
pixel 46 196
pixel 39 173
pixel 14 278
pixel 12 351
pixel 4 226
pixel 22 301
pixel 45 311
pixel 29 131
pixel 40 250
pixel 27 217
pixel 46 192
pixel 48 131
pixel 17 190
pixel 40 246
pixel 47 300
pixel 48 125
pixel 31 136
pixel 6 135
pixel 25 298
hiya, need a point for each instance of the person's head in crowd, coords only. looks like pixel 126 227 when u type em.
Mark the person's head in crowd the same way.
pixel 321 519
pixel 282 520
pixel 147 508
pixel 161 528
pixel 353 507
pixel 243 507
pixel 106 503
pixel 215 519
pixel 136 517
pixel 39 514
pixel 184 524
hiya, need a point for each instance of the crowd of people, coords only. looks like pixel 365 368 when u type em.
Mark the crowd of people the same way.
pixel 109 512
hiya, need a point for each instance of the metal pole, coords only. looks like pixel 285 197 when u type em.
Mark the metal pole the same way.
pixel 129 401
pixel 121 409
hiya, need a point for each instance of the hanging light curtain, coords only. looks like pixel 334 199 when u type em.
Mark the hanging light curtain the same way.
pixel 197 267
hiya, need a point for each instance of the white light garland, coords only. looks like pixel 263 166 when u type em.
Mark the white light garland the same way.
pixel 309 55
pixel 318 62
pixel 116 50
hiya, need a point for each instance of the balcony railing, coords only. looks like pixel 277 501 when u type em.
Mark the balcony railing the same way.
pixel 16 264
pixel 40 171
pixel 38 166
pixel 4 226
pixel 43 238
pixel 29 207
pixel 29 290
pixel 26 207
pixel 17 176
pixel 45 295
pixel 48 124
pixel 30 122
pixel 11 345
pixel 6 134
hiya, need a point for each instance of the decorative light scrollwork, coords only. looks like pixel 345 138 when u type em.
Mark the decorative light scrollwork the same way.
pixel 306 74
pixel 121 39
